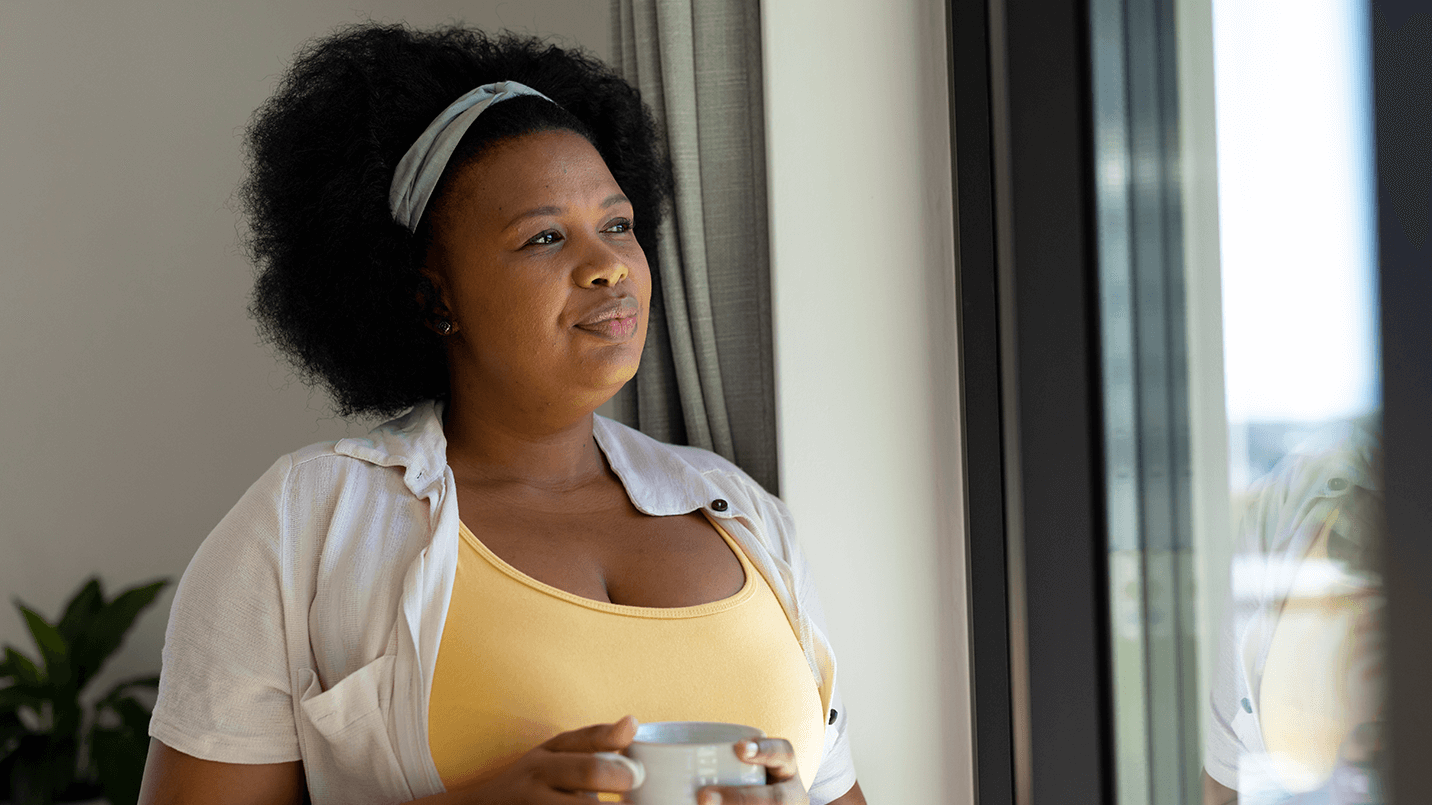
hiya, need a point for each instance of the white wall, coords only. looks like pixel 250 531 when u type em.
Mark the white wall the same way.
pixel 139 405
pixel 863 270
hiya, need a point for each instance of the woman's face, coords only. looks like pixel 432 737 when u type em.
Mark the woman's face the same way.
pixel 539 268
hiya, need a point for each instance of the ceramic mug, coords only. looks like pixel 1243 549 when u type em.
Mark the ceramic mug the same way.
pixel 681 757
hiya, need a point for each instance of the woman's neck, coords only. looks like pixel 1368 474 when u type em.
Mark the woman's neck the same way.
pixel 543 450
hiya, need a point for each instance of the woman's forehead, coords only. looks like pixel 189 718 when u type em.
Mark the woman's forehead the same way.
pixel 541 169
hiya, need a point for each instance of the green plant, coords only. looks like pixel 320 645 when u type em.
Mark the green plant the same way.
pixel 51 749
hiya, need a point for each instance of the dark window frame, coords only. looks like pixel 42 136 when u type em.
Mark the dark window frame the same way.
pixel 1402 102
pixel 1031 422
pixel 1020 90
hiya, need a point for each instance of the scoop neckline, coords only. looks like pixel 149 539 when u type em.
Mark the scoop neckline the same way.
pixel 659 613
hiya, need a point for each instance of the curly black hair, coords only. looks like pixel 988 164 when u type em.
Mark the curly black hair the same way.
pixel 339 287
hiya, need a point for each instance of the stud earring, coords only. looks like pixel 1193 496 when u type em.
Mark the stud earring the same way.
pixel 444 327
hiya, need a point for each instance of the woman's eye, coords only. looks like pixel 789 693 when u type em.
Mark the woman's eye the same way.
pixel 546 238
pixel 620 226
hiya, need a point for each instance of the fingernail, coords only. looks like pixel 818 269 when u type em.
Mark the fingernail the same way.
pixel 638 771
pixel 712 798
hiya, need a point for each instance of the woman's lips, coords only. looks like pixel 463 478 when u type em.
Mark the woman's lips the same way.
pixel 616 320
pixel 619 329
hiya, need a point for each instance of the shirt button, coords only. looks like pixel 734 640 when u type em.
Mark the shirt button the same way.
pixel 1247 706
pixel 719 504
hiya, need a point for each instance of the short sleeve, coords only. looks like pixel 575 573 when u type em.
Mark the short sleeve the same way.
pixel 224 687
pixel 1222 747
pixel 836 774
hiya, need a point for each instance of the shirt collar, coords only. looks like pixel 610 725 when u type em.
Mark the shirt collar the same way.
pixel 413 441
pixel 660 479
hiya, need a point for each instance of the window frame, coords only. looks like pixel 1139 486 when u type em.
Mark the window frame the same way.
pixel 1029 358
pixel 1030 408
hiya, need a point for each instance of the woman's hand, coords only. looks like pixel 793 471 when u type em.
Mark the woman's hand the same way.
pixel 783 783
pixel 564 770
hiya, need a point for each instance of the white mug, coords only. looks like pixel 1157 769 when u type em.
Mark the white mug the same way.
pixel 681 757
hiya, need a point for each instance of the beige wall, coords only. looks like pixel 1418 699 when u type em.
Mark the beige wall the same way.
pixel 140 405
pixel 858 137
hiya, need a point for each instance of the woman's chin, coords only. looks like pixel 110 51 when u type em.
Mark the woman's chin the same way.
pixel 594 389
pixel 608 375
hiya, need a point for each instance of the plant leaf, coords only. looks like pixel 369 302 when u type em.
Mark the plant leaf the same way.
pixel 7 769
pixel 53 647
pixel 17 696
pixel 134 715
pixel 119 752
pixel 28 775
pixel 11 728
pixel 106 631
pixel 22 668
pixel 119 755
pixel 66 714
pixel 81 610
pixel 43 767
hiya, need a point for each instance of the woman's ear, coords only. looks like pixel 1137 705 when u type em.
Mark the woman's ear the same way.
pixel 432 299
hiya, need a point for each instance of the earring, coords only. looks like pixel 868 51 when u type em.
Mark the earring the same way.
pixel 444 327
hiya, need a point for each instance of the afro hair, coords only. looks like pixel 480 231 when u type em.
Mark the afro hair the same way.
pixel 339 285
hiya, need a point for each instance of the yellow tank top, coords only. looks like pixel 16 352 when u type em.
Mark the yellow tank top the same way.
pixel 521 661
pixel 1322 676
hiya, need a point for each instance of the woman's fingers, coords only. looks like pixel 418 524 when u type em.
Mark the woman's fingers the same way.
pixel 585 771
pixel 776 754
pixel 612 737
pixel 779 758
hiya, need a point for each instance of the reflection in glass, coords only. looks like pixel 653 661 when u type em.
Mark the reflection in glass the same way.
pixel 1296 697
pixel 1241 399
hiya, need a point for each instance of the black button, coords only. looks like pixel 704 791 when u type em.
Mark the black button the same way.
pixel 718 504
pixel 832 717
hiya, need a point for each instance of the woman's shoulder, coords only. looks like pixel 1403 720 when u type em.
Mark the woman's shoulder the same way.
pixel 334 462
pixel 407 451
pixel 627 445
pixel 320 492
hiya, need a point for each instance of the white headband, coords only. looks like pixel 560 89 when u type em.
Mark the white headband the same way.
pixel 417 174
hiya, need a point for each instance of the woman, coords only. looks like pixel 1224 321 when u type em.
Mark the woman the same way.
pixel 1297 703
pixel 470 604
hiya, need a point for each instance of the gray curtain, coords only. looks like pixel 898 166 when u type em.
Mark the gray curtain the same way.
pixel 707 376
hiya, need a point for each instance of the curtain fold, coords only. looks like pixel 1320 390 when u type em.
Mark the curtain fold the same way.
pixel 707 376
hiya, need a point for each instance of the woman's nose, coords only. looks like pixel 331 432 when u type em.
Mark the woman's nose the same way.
pixel 602 265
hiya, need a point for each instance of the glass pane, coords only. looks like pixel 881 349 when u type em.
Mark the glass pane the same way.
pixel 1241 399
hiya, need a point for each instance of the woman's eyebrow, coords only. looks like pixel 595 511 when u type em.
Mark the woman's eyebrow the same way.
pixel 537 212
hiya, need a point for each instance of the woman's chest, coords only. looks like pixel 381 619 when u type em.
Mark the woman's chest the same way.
pixel 1321 677
pixel 609 551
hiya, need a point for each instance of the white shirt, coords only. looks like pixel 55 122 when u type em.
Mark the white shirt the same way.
pixel 307 625
pixel 1291 505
